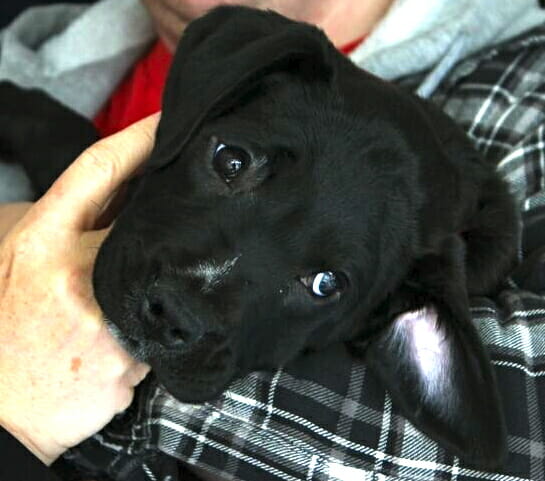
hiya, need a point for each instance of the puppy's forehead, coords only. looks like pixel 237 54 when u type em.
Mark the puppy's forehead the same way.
pixel 324 123
pixel 346 174
pixel 212 272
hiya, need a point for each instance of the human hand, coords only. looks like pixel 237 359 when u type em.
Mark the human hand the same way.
pixel 10 214
pixel 62 375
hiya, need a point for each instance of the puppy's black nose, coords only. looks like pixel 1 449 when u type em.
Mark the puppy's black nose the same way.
pixel 168 321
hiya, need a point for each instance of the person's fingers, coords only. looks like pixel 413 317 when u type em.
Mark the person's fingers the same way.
pixel 90 243
pixel 76 200
pixel 125 400
pixel 112 207
pixel 136 374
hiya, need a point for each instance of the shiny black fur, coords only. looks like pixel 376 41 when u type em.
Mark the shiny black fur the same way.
pixel 346 173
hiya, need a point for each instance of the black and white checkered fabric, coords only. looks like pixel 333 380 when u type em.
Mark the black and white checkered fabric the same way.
pixel 325 417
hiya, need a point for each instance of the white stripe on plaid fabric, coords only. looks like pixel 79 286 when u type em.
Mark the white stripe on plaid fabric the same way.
pixel 148 471
pixel 384 431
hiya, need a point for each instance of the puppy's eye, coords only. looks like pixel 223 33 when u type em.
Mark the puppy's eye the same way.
pixel 230 161
pixel 324 284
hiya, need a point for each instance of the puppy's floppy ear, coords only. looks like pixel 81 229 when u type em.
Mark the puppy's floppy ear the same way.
pixel 224 53
pixel 431 360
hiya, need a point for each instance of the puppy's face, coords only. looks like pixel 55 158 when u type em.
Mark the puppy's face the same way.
pixel 261 239
pixel 293 200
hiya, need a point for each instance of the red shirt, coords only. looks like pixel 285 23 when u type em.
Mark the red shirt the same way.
pixel 140 93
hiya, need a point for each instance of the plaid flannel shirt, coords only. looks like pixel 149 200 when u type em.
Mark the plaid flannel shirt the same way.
pixel 325 417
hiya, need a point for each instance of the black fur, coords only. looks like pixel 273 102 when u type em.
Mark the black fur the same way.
pixel 345 173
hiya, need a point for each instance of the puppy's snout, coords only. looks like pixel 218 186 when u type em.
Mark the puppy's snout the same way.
pixel 168 321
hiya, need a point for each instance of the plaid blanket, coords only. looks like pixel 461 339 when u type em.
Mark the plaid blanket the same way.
pixel 325 417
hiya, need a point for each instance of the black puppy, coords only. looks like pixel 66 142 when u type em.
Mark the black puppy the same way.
pixel 292 201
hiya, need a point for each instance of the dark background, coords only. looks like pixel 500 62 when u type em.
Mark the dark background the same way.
pixel 9 9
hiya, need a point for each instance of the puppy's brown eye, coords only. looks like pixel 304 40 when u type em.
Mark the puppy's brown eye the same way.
pixel 230 161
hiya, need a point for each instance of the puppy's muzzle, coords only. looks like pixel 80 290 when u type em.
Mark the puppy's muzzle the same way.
pixel 168 320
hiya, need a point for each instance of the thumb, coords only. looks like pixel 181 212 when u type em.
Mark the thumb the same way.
pixel 76 200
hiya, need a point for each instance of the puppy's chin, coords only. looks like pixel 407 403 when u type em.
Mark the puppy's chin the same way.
pixel 194 388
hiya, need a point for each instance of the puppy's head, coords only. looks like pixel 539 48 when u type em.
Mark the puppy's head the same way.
pixel 285 208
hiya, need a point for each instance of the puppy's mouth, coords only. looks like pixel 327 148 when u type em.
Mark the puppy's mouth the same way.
pixel 195 376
